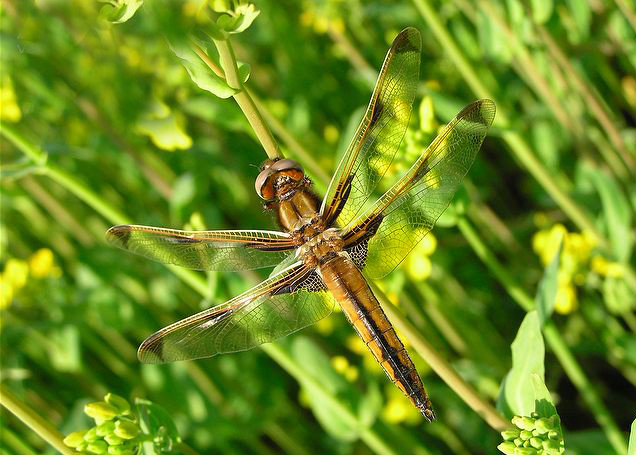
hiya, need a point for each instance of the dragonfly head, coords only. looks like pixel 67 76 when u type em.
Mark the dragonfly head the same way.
pixel 276 174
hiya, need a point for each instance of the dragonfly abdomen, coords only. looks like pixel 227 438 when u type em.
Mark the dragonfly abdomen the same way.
pixel 346 283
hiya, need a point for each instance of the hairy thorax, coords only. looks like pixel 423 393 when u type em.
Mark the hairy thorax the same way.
pixel 321 248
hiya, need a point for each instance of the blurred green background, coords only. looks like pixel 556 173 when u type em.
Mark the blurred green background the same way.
pixel 102 125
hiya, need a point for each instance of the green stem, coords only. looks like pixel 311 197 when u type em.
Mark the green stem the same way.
pixel 13 442
pixel 591 100
pixel 60 176
pixel 34 421
pixel 516 143
pixel 526 69
pixel 443 369
pixel 572 369
pixel 243 99
pixel 627 11
pixel 292 144
pixel 370 437
pixel 34 153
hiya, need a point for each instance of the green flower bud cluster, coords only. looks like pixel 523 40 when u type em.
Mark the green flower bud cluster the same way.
pixel 533 436
pixel 116 431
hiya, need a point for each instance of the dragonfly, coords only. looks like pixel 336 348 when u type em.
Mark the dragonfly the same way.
pixel 325 249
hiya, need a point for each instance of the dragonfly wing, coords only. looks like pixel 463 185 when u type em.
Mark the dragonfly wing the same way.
pixel 204 250
pixel 379 134
pixel 284 303
pixel 382 237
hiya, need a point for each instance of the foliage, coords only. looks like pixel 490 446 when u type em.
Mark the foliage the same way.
pixel 95 95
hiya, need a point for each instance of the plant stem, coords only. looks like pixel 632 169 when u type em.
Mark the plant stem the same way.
pixel 243 99
pixel 591 101
pixel 60 176
pixel 370 437
pixel 553 337
pixel 292 144
pixel 629 14
pixel 443 369
pixel 516 143
pixel 528 70
pixel 33 420
pixel 13 442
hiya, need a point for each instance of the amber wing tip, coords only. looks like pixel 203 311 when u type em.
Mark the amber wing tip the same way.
pixel 119 235
pixel 148 352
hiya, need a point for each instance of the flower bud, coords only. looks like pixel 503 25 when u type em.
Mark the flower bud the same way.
pixel 91 435
pixel 113 440
pixel 121 450
pixel 527 423
pixel 509 435
pixel 97 447
pixel 105 428
pixel 74 439
pixel 536 443
pixel 547 444
pixel 119 403
pixel 525 435
pixel 126 429
pixel 100 410
pixel 525 451
pixel 507 447
pixel 554 435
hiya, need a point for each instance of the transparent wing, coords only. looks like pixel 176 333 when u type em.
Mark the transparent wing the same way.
pixel 379 134
pixel 382 237
pixel 204 250
pixel 284 303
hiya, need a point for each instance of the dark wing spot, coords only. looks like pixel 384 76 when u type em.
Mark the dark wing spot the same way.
pixel 119 235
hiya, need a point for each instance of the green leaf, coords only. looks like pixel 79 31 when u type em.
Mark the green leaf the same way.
pixel 541 10
pixel 321 370
pixel 618 297
pixel 616 214
pixel 155 421
pixel 547 290
pixel 238 19
pixel 631 449
pixel 165 133
pixel 582 18
pixel 120 11
pixel 200 74
pixel 516 396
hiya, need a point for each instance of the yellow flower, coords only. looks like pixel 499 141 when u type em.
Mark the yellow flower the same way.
pixel 16 273
pixel 565 299
pixel 325 325
pixel 395 411
pixel 351 373
pixel 428 245
pixel 41 263
pixel 331 134
pixel 606 268
pixel 6 293
pixel 418 267
pixel 9 109
pixel 554 238
pixel 398 408
pixel 427 115
pixel 340 363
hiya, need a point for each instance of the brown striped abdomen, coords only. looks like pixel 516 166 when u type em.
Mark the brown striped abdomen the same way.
pixel 349 287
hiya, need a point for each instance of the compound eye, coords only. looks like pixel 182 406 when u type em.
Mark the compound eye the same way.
pixel 263 184
pixel 287 165
pixel 268 163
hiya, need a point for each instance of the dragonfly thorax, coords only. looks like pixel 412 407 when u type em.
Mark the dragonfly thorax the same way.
pixel 321 248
